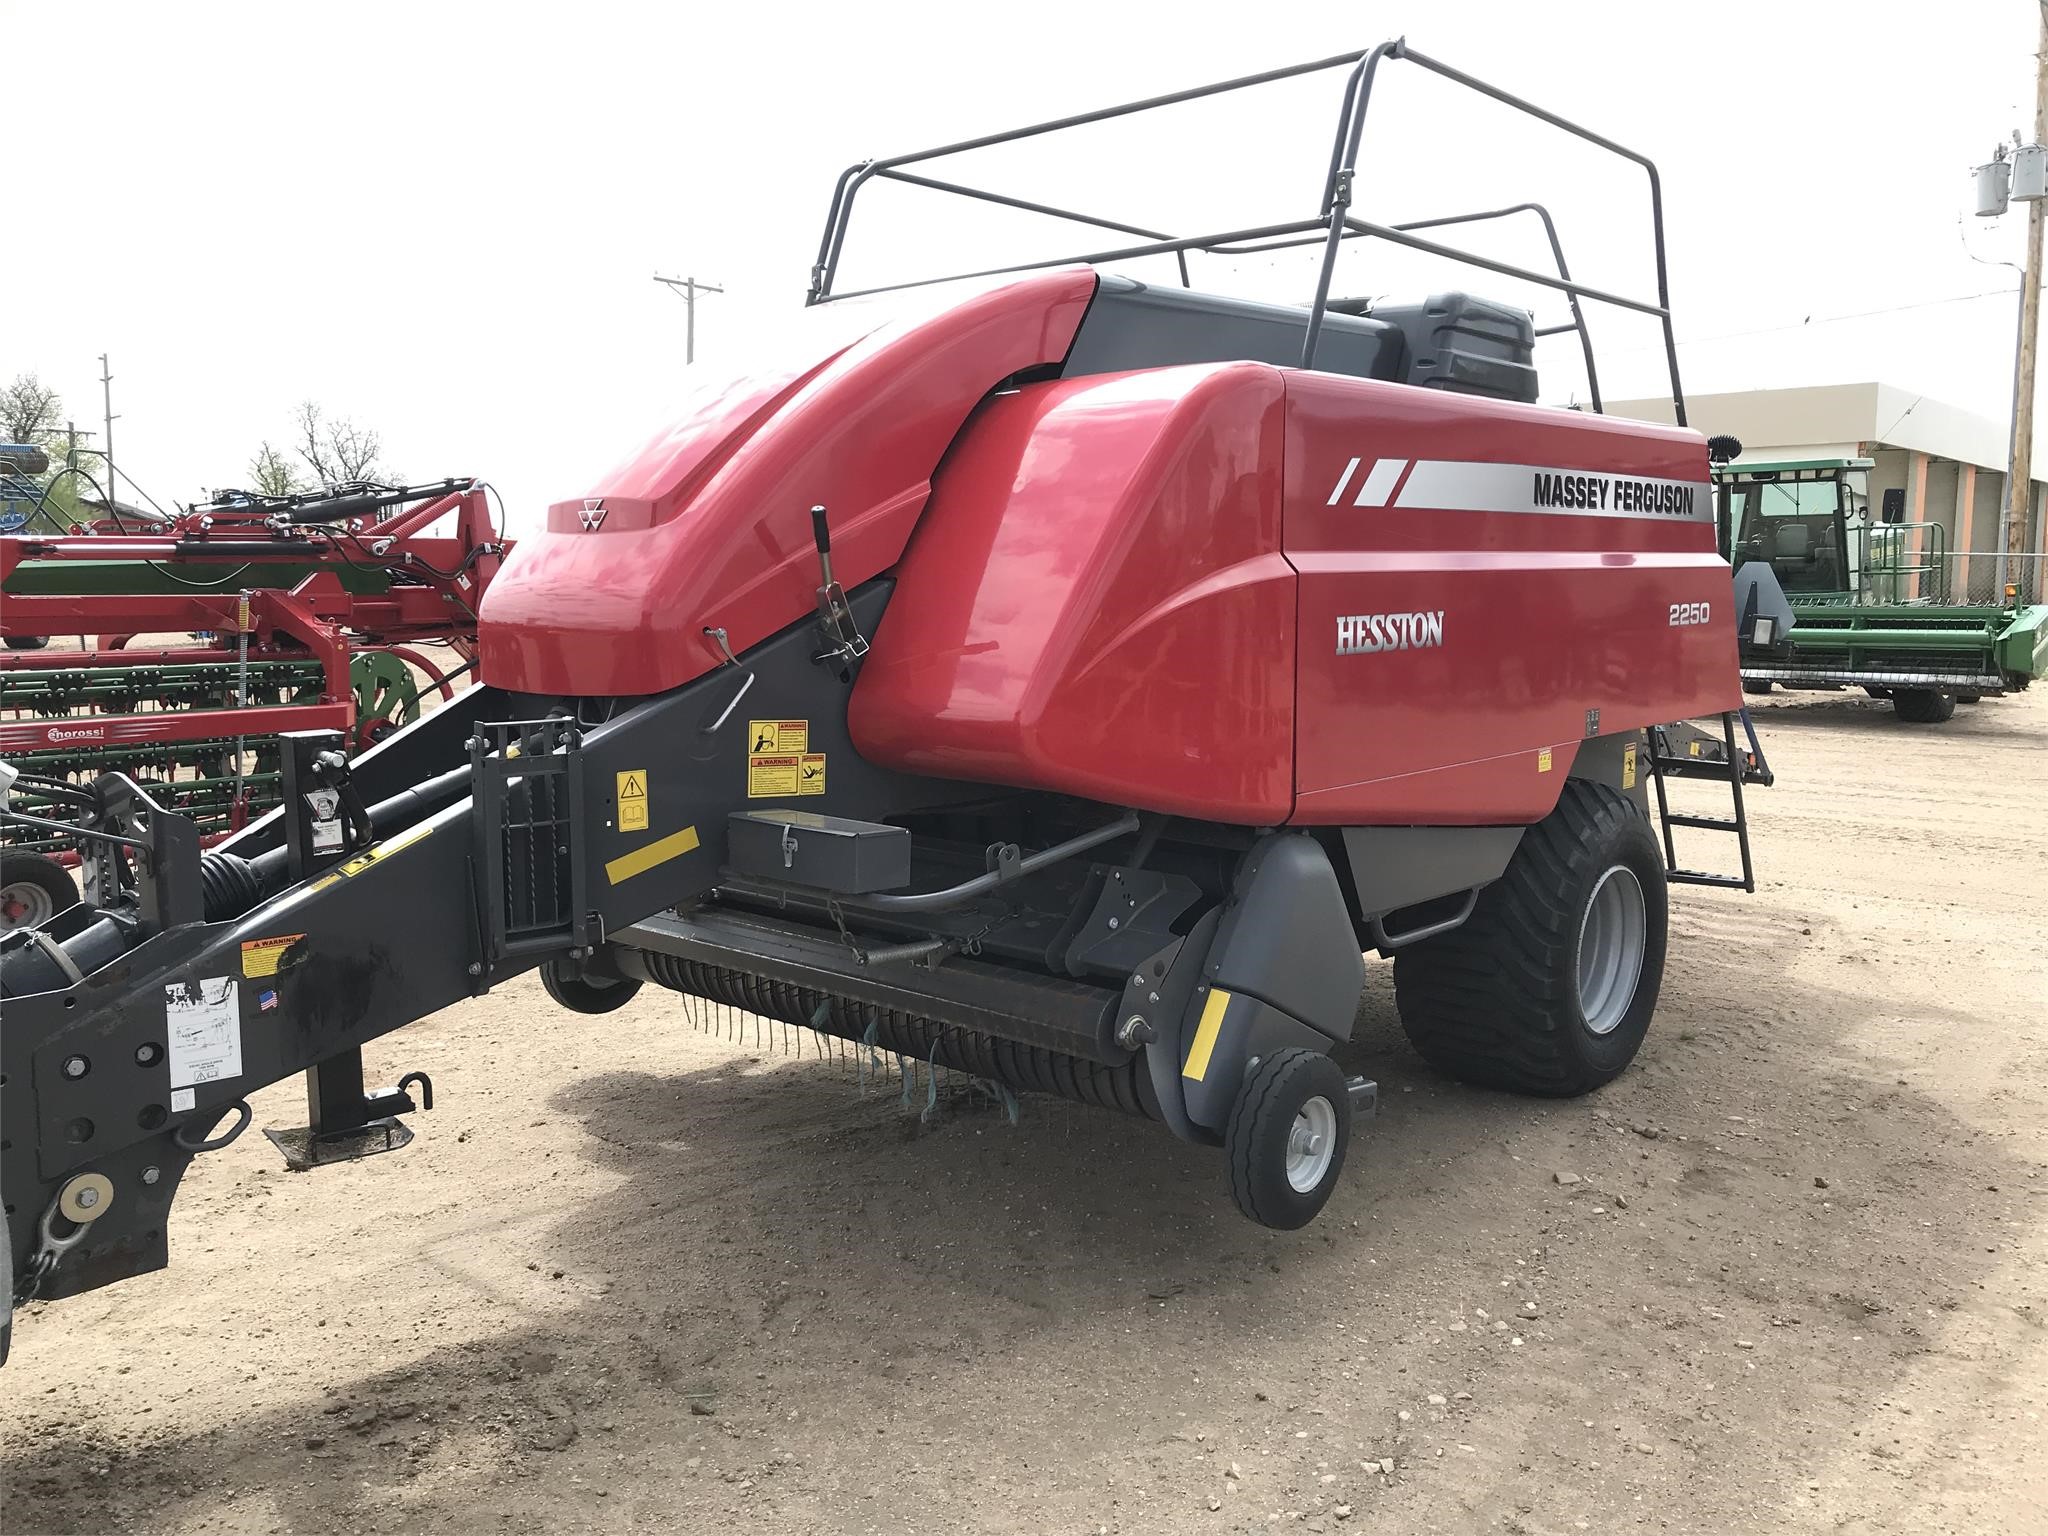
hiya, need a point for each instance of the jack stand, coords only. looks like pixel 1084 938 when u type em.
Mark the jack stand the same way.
pixel 347 1123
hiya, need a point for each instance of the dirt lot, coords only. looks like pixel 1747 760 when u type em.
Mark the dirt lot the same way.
pixel 634 1277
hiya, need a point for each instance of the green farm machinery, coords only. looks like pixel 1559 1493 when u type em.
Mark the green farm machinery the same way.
pixel 1832 598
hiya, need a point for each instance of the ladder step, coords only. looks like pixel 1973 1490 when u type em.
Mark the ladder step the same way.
pixel 1700 877
pixel 1714 823
pixel 1693 768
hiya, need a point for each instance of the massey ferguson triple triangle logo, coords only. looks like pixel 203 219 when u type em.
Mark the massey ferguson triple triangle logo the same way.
pixel 592 515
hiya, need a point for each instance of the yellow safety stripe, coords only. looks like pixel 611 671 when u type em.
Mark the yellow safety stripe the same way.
pixel 1205 1034
pixel 371 855
pixel 646 856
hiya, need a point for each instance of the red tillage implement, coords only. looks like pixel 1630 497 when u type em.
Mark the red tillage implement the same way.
pixel 314 609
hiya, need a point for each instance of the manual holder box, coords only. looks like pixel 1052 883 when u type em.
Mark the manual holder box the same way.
pixel 831 853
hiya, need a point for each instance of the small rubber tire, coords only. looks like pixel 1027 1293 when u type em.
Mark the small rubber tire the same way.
pixel 1758 684
pixel 575 989
pixel 1497 1002
pixel 1277 1091
pixel 27 642
pixel 1924 706
pixel 41 885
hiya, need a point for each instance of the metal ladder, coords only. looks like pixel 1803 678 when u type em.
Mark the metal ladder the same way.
pixel 1684 751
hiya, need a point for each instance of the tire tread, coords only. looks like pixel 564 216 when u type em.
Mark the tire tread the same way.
pixel 1274 1080
pixel 1486 1003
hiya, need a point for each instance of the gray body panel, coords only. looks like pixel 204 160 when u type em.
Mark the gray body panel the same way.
pixel 1396 867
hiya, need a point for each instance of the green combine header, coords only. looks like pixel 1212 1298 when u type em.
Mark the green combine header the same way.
pixel 1870 603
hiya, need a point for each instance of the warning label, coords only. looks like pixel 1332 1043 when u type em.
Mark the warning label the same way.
pixel 774 774
pixel 780 760
pixel 633 800
pixel 1543 760
pixel 263 957
pixel 1628 766
pixel 203 1024
pixel 778 738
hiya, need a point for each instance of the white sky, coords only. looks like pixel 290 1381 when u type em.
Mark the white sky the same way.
pixel 442 220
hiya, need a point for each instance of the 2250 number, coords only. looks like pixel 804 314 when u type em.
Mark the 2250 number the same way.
pixel 1691 613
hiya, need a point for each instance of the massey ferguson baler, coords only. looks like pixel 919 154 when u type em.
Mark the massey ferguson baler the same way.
pixel 1046 676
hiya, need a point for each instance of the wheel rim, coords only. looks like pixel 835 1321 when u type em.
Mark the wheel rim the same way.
pixel 1611 949
pixel 1311 1144
pixel 24 904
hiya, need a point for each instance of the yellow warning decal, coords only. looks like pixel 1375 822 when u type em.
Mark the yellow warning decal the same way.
pixel 633 800
pixel 780 760
pixel 779 774
pixel 778 737
pixel 1695 748
pixel 1543 759
pixel 1206 1031
pixel 645 857
pixel 261 957
pixel 1628 766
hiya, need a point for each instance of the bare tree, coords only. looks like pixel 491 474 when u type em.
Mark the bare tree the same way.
pixel 29 411
pixel 272 474
pixel 337 451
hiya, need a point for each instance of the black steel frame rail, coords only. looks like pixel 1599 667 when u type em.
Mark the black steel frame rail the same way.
pixel 1331 227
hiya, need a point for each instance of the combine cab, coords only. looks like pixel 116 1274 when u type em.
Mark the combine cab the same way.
pixel 1864 602
pixel 1047 676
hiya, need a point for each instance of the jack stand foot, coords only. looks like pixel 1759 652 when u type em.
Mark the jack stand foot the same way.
pixel 1365 1097
pixel 304 1148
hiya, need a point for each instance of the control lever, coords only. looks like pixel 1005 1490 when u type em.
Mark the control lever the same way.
pixel 844 643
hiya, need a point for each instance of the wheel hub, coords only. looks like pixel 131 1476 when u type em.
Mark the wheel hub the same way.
pixel 1611 939
pixel 1311 1144
pixel 24 905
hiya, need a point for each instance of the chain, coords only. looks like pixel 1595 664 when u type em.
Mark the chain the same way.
pixel 838 916
pixel 969 944
pixel 31 1279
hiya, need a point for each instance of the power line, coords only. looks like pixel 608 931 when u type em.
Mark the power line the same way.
pixel 1816 320
pixel 1861 314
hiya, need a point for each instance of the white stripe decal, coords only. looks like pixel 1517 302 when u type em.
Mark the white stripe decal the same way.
pixel 1379 485
pixel 1342 481
pixel 1461 485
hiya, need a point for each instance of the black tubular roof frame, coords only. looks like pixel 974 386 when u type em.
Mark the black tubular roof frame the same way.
pixel 1330 227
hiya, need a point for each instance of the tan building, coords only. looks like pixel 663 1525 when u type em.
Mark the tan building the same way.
pixel 1950 462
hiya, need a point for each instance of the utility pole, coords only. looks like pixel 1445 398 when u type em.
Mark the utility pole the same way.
pixel 107 453
pixel 689 288
pixel 2019 490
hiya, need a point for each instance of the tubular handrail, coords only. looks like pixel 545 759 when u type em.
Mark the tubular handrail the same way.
pixel 1332 225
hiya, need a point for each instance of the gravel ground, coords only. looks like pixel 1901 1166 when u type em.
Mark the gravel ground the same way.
pixel 1785 1275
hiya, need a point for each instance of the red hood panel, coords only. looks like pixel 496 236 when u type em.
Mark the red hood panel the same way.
pixel 708 525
